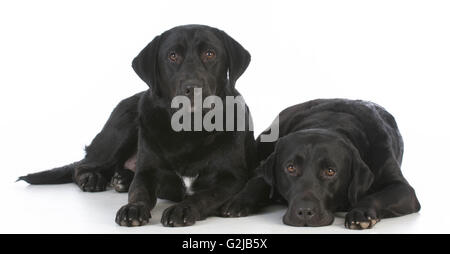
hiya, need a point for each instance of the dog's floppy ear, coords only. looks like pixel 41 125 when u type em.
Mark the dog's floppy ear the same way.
pixel 361 179
pixel 238 57
pixel 145 64
pixel 266 170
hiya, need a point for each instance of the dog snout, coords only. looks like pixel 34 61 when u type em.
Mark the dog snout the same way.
pixel 303 213
pixel 188 86
pixel 192 87
pixel 305 210
pixel 306 213
pixel 188 90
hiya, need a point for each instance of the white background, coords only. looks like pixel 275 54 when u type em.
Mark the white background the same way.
pixel 64 65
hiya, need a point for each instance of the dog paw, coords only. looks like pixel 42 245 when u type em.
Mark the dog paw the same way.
pixel 121 180
pixel 361 218
pixel 180 215
pixel 236 208
pixel 91 182
pixel 133 215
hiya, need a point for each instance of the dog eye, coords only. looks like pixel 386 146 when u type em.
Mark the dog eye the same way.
pixel 330 172
pixel 173 56
pixel 209 55
pixel 290 169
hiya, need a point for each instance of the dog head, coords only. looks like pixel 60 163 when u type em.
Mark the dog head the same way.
pixel 317 172
pixel 188 57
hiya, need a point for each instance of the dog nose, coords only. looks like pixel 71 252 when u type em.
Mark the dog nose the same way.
pixel 188 90
pixel 305 213
pixel 187 87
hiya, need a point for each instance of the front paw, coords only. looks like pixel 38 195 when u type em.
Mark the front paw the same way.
pixel 133 214
pixel 180 215
pixel 361 218
pixel 237 207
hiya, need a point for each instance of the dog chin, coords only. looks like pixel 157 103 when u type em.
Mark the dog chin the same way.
pixel 324 219
pixel 203 111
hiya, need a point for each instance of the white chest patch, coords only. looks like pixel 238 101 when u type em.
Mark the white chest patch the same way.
pixel 187 181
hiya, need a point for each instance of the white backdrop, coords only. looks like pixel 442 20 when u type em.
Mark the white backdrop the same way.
pixel 65 64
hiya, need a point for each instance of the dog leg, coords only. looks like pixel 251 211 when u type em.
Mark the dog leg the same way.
pixel 141 199
pixel 203 203
pixel 394 197
pixel 255 195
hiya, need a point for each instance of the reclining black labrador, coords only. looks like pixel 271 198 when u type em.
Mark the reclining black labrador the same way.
pixel 333 155
pixel 139 134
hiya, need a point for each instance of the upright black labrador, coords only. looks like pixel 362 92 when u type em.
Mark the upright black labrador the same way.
pixel 333 155
pixel 139 135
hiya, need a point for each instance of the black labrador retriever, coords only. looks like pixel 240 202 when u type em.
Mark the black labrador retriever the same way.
pixel 332 155
pixel 139 134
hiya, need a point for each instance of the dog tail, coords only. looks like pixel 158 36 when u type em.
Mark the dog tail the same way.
pixel 59 175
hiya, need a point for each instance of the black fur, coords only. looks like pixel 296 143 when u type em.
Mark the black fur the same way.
pixel 359 141
pixel 107 153
pixel 141 124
